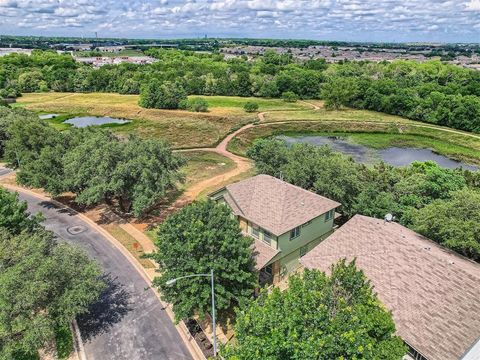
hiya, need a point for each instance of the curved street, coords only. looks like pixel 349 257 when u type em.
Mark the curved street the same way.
pixel 128 323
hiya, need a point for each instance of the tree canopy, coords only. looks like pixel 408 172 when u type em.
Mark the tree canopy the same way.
pixel 43 284
pixel 317 317
pixel 199 238
pixel 454 223
pixel 431 91
pixel 92 163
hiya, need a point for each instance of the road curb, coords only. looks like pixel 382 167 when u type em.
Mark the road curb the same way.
pixel 189 341
pixel 77 341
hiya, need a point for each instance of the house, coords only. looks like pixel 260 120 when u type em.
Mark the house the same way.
pixel 286 221
pixel 433 293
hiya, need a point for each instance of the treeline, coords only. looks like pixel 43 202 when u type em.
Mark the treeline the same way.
pixel 92 163
pixel 432 92
pixel 44 284
pixel 442 204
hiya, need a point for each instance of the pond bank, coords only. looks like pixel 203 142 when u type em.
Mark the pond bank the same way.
pixel 370 148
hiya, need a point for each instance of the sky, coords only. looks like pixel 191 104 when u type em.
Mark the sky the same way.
pixel 349 20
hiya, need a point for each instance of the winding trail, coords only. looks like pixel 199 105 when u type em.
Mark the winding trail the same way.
pixel 243 164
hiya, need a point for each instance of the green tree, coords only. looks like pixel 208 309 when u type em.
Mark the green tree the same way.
pixel 317 317
pixel 13 214
pixel 166 95
pixel 43 284
pixel 454 223
pixel 27 136
pixel 250 106
pixel 198 238
pixel 338 91
pixel 289 96
pixel 146 172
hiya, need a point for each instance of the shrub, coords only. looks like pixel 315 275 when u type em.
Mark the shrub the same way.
pixel 250 106
pixel 289 96
pixel 195 104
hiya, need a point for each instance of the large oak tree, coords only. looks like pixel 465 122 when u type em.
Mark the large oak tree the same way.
pixel 199 238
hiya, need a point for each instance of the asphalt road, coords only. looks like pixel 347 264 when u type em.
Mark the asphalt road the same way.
pixel 128 322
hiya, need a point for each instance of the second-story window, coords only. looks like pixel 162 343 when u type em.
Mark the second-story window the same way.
pixel 329 215
pixel 267 237
pixel 295 233
pixel 255 231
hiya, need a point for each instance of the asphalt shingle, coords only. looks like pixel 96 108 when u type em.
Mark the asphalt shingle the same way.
pixel 433 293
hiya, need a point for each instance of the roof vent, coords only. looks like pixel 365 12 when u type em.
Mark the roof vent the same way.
pixel 389 218
pixel 450 262
pixel 427 248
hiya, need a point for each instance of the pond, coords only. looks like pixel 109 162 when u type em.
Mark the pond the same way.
pixel 48 116
pixel 85 121
pixel 394 156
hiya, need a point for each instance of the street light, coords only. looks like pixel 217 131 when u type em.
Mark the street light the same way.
pixel 173 281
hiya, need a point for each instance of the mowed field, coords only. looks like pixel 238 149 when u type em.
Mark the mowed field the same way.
pixel 183 129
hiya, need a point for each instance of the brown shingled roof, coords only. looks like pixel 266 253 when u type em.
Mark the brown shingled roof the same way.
pixel 262 253
pixel 276 205
pixel 433 293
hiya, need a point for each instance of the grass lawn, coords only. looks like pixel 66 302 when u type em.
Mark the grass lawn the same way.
pixel 130 243
pixel 182 129
pixel 375 135
pixel 324 115
pixel 185 129
pixel 216 103
pixel 202 165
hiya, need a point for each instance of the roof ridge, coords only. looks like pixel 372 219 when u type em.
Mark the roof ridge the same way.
pixel 297 187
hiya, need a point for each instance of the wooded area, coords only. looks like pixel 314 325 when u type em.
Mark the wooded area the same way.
pixel 432 91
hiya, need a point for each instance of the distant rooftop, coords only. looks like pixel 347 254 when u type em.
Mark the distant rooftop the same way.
pixel 433 293
pixel 275 205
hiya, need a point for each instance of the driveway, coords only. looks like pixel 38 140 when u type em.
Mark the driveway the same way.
pixel 128 322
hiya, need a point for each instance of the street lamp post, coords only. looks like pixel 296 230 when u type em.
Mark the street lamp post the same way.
pixel 173 281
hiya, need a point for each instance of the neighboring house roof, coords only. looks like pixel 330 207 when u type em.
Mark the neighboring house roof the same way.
pixel 275 205
pixel 262 253
pixel 433 293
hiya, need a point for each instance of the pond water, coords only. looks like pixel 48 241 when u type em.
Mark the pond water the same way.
pixel 393 155
pixel 48 116
pixel 85 121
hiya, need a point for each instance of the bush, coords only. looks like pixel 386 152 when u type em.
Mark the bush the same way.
pixel 250 106
pixel 289 96
pixel 195 104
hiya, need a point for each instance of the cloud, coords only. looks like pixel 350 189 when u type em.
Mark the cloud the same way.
pixel 385 20
pixel 473 5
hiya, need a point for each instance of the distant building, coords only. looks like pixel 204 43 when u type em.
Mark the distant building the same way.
pixel 8 51
pixel 111 49
pixel 433 293
pixel 100 61
pixel 285 221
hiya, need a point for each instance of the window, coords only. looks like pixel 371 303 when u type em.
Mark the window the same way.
pixel 303 250
pixel 415 354
pixel 329 215
pixel 267 237
pixel 295 233
pixel 268 269
pixel 255 231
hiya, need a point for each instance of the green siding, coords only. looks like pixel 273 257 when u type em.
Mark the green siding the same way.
pixel 310 236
